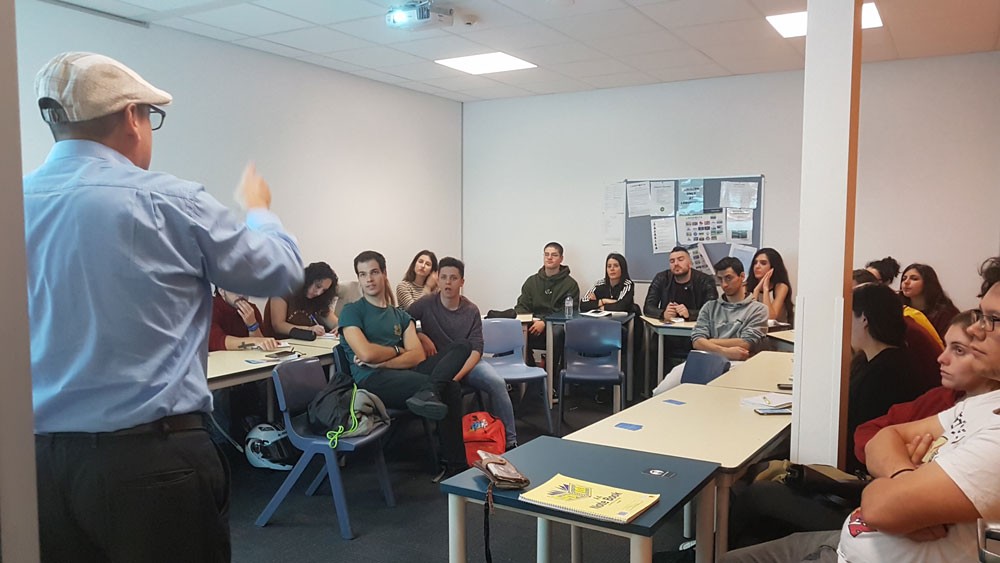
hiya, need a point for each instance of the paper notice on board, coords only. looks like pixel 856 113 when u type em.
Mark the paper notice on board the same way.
pixel 741 195
pixel 707 227
pixel 662 198
pixel 739 225
pixel 699 260
pixel 638 198
pixel 744 254
pixel 664 231
pixel 692 197
pixel 613 215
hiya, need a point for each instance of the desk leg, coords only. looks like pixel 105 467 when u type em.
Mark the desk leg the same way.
pixel 630 355
pixel 723 486
pixel 705 525
pixel 542 551
pixel 659 358
pixel 645 358
pixel 456 529
pixel 575 544
pixel 548 359
pixel 640 549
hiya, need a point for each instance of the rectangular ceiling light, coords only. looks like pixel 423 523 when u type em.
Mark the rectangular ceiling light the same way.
pixel 794 24
pixel 485 64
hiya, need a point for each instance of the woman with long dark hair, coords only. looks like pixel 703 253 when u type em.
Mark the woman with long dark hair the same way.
pixel 614 292
pixel 421 278
pixel 768 283
pixel 310 308
pixel 921 289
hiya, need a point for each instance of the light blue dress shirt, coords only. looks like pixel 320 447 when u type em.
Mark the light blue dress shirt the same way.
pixel 120 262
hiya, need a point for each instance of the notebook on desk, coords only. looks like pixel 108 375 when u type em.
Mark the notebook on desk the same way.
pixel 612 504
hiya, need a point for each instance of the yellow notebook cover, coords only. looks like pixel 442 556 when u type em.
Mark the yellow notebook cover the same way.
pixel 611 504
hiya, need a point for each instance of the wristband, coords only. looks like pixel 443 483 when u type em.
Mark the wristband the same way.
pixel 396 348
pixel 253 327
pixel 904 470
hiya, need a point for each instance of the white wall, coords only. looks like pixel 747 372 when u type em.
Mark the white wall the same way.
pixel 535 167
pixel 353 164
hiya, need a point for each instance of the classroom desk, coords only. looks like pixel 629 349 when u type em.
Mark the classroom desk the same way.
pixel 702 423
pixel 227 368
pixel 541 458
pixel 560 319
pixel 784 341
pixel 662 329
pixel 762 372
pixel 323 343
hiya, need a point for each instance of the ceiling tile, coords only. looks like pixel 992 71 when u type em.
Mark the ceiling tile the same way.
pixel 262 45
pixel 592 68
pixel 375 30
pixel 114 7
pixel 518 37
pixel 756 66
pixel 528 76
pixel 169 5
pixel 248 20
pixel 922 28
pixel 467 82
pixel 622 80
pixel 683 13
pixel 318 40
pixel 876 45
pixel 327 62
pixel 498 91
pixel 754 54
pixel 323 11
pixel 554 54
pixel 542 10
pixel 644 2
pixel 423 71
pixel 558 86
pixel 200 29
pixel 690 72
pixel 701 36
pixel 423 87
pixel 442 47
pixel 460 97
pixel 380 76
pixel 635 43
pixel 376 57
pixel 487 14
pixel 775 7
pixel 605 24
pixel 666 59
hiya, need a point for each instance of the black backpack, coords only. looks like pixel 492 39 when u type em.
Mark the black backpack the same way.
pixel 333 407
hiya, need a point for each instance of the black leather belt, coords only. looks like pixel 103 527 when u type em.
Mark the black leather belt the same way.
pixel 165 425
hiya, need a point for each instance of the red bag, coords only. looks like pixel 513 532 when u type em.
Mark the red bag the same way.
pixel 482 431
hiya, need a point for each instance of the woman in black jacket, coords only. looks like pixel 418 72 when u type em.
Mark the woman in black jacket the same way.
pixel 615 292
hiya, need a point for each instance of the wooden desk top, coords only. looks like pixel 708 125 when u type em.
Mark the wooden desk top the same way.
pixel 709 424
pixel 762 372
pixel 222 363
pixel 324 343
pixel 659 324
pixel 785 335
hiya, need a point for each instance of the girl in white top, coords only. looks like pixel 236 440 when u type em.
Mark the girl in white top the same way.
pixel 421 278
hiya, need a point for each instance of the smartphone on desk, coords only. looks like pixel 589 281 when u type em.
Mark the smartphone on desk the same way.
pixel 280 354
pixel 784 387
pixel 771 410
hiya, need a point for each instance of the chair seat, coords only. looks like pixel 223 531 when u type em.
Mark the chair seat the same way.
pixel 304 437
pixel 516 372
pixel 594 374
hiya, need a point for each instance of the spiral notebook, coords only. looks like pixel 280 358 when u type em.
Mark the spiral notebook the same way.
pixel 611 504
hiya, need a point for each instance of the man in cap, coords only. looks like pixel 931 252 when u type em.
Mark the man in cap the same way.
pixel 120 262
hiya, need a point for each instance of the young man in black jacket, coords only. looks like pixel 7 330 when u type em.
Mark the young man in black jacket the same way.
pixel 680 291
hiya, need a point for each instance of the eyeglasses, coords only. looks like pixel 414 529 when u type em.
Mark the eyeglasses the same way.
pixel 156 117
pixel 986 322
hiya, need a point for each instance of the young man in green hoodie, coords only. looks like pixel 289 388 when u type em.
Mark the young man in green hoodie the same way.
pixel 544 293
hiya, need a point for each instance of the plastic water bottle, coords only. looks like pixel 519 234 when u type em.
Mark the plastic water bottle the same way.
pixel 568 307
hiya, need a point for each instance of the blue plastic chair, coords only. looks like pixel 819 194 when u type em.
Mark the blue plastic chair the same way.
pixel 503 340
pixel 593 347
pixel 702 367
pixel 296 383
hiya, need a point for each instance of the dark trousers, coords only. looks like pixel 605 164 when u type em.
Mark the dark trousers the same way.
pixel 160 496
pixel 537 342
pixel 436 373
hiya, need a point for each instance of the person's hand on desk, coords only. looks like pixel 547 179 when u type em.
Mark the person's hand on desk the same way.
pixel 429 348
pixel 736 353
pixel 681 310
pixel 317 329
pixel 261 342
pixel 537 327
pixel 670 312
pixel 252 191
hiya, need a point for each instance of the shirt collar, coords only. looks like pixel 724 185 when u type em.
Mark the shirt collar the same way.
pixel 74 148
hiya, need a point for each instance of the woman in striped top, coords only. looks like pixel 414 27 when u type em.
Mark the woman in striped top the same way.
pixel 615 292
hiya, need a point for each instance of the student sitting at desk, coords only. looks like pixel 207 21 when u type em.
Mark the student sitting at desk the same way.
pixel 310 308
pixel 679 292
pixel 769 283
pixel 921 290
pixel 420 279
pixel 544 293
pixel 731 326
pixel 615 291
pixel 236 324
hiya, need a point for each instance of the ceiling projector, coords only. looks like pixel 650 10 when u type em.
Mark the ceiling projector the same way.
pixel 419 14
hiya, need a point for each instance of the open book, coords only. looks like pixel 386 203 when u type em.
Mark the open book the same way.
pixel 611 504
pixel 596 313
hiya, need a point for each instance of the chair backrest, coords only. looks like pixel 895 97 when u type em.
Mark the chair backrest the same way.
pixel 594 337
pixel 501 336
pixel 296 383
pixel 702 367
pixel 340 363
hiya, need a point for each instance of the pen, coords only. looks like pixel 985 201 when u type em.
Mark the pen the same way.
pixel 312 318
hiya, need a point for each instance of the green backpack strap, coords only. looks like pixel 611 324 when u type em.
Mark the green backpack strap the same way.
pixel 334 435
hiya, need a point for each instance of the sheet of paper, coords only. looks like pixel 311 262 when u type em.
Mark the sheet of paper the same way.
pixel 739 225
pixel 707 227
pixel 638 198
pixel 699 260
pixel 738 194
pixel 613 217
pixel 664 231
pixel 692 197
pixel 661 194
pixel 744 254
